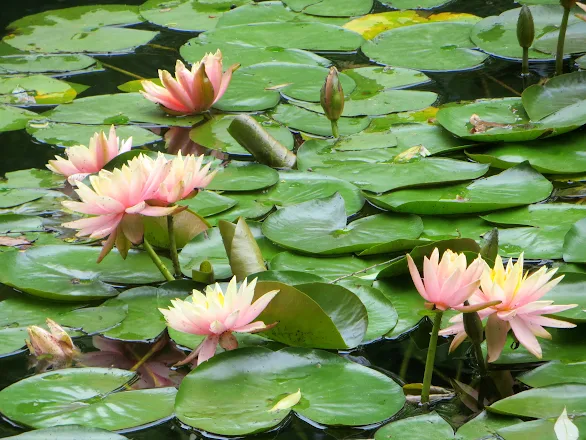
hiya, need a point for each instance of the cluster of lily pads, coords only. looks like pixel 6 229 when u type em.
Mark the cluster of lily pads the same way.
pixel 330 231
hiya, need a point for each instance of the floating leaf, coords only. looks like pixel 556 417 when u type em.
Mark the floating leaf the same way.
pixel 418 427
pixel 574 251
pixel 34 90
pixel 331 8
pixel 35 63
pixel 555 373
pixel 366 397
pixel 31 178
pixel 573 43
pixel 485 424
pixel 14 118
pixel 243 176
pixel 69 432
pixel 542 429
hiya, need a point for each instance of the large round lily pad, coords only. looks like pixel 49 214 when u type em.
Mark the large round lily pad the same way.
pixel 208 400
pixel 331 8
pixel 497 35
pixel 428 46
pixel 84 396
pixel 70 273
pixel 322 228
pixel 67 30
pixel 517 186
pixel 308 36
pixel 243 176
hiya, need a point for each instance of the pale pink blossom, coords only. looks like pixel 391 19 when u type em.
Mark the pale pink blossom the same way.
pixel 520 309
pixel 185 177
pixel 116 201
pixel 447 283
pixel 191 91
pixel 82 161
pixel 216 315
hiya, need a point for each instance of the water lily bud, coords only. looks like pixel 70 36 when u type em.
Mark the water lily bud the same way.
pixel 525 27
pixel 55 344
pixel 568 4
pixel 473 327
pixel 332 96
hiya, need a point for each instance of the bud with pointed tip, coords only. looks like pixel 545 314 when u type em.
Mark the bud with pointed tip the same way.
pixel 525 27
pixel 332 96
pixel 55 344
pixel 473 327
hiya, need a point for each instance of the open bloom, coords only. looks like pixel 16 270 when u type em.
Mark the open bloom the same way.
pixel 51 348
pixel 82 161
pixel 216 315
pixel 191 91
pixel 449 282
pixel 520 309
pixel 116 201
pixel 184 178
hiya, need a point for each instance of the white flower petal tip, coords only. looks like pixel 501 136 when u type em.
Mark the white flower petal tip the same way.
pixel 287 402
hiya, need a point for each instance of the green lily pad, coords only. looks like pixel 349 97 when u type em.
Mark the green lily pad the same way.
pixel 66 135
pixel 434 138
pixel 47 203
pixel 330 268
pixel 34 90
pixel 540 215
pixel 374 79
pixel 314 315
pixel 555 373
pixel 420 427
pixel 510 122
pixel 12 340
pixel 272 11
pixel 364 143
pixel 69 432
pixel 309 36
pixel 70 273
pixel 419 4
pixel 32 178
pixel 243 176
pixel 544 402
pixel 439 46
pixel 351 150
pixel 559 97
pixel 14 118
pixel 117 109
pixel 187 15
pixel 15 197
pixel 214 135
pixel 322 229
pixel 517 186
pixel 573 43
pixel 542 429
pixel 486 425
pixel 497 35
pixel 386 176
pixel 560 155
pixel 37 63
pixel 144 322
pixel 19 223
pixel 366 397
pixel 574 251
pixel 331 8
pixel 208 203
pixel 297 118
pixel 66 30
pixel 246 55
pixel 84 396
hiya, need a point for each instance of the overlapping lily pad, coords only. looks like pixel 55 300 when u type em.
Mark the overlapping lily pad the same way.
pixel 416 4
pixel 34 90
pixel 70 273
pixel 428 46
pixel 325 230
pixel 423 426
pixel 243 176
pixel 37 63
pixel 366 396
pixel 497 35
pixel 66 30
pixel 14 118
pixel 486 424
pixel 542 429
pixel 84 396
pixel 331 8
pixel 573 43
pixel 517 186
pixel 69 432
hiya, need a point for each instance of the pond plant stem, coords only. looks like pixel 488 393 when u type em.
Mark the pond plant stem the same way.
pixel 162 268
pixel 173 246
pixel 335 131
pixel 559 59
pixel 437 322
pixel 525 66
pixel 118 69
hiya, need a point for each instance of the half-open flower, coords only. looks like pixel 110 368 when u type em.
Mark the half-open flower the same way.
pixel 116 201
pixel 520 309
pixel 216 315
pixel 191 91
pixel 82 161
pixel 447 283
pixel 51 348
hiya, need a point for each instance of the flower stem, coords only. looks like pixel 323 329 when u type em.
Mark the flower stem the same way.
pixel 335 131
pixel 173 246
pixel 559 59
pixel 162 268
pixel 437 322
pixel 525 68
pixel 480 359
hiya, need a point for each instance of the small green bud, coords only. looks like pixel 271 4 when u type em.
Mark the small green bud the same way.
pixel 332 96
pixel 568 4
pixel 489 247
pixel 473 327
pixel 525 27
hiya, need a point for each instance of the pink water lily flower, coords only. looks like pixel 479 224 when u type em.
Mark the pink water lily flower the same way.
pixel 449 282
pixel 191 91
pixel 216 315
pixel 185 177
pixel 520 309
pixel 82 161
pixel 116 201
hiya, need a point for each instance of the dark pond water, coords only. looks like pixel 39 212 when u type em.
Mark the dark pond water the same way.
pixel 497 78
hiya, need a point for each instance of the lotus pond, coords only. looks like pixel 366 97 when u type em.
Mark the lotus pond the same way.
pixel 348 146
